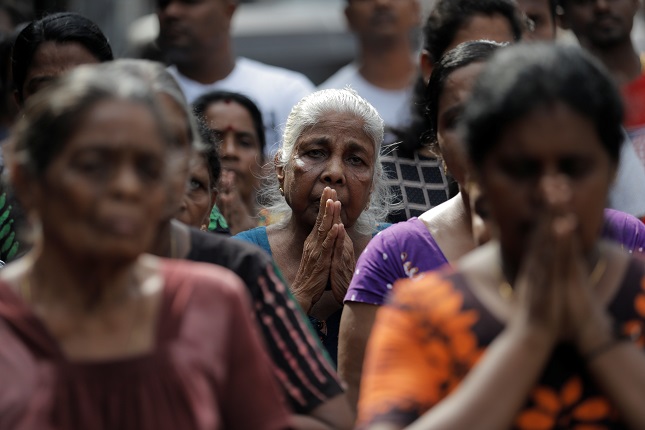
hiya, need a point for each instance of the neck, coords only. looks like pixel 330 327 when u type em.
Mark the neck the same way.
pixel 387 65
pixel 210 66
pixel 172 241
pixel 162 245
pixel 621 60
pixel 80 284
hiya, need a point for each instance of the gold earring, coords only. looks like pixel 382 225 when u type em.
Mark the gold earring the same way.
pixel 445 167
pixel 281 191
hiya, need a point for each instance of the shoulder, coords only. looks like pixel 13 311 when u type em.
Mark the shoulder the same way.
pixel 428 291
pixel 241 256
pixel 195 273
pixel 257 236
pixel 346 75
pixel 262 71
pixel 624 229
pixel 411 233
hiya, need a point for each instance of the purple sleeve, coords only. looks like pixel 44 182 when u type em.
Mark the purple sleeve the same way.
pixel 624 229
pixel 400 251
pixel 377 269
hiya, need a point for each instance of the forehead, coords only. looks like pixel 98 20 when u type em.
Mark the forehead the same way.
pixel 338 127
pixel 550 131
pixel 495 27
pixel 227 110
pixel 460 82
pixel 535 6
pixel 118 124
pixel 53 58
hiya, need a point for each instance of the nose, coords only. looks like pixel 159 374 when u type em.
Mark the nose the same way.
pixel 183 205
pixel 169 8
pixel 555 190
pixel 602 5
pixel 126 183
pixel 334 173
pixel 228 148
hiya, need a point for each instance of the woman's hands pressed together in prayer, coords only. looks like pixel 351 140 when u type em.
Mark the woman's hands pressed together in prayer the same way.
pixel 328 256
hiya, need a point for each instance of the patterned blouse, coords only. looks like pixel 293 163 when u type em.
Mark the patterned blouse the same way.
pixel 435 330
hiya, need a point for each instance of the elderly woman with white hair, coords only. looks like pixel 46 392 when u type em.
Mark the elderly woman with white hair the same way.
pixel 330 197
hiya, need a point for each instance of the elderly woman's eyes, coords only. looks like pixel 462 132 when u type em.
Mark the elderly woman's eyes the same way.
pixel 315 153
pixel 355 160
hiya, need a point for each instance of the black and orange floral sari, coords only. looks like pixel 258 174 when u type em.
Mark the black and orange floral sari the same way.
pixel 434 330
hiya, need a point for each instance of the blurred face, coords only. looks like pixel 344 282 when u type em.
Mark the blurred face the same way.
pixel 51 60
pixel 494 27
pixel 188 27
pixel 550 145
pixel 179 156
pixel 380 19
pixel 456 90
pixel 538 11
pixel 102 196
pixel 239 150
pixel 200 196
pixel 600 23
pixel 336 153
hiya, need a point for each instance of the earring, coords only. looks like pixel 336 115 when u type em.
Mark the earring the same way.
pixel 445 167
pixel 281 191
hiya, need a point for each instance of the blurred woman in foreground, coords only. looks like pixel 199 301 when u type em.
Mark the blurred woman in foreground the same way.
pixel 94 334
pixel 534 329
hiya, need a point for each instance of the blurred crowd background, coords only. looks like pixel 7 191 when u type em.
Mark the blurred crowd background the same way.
pixel 309 36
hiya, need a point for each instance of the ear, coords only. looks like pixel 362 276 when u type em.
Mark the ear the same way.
pixel 279 169
pixel 28 190
pixel 561 19
pixel 231 7
pixel 426 65
pixel 349 16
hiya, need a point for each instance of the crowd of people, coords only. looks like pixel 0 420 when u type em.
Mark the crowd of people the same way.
pixel 437 238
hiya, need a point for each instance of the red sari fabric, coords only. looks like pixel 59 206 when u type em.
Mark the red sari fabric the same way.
pixel 207 371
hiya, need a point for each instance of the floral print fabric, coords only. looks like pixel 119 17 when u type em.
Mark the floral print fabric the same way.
pixel 435 330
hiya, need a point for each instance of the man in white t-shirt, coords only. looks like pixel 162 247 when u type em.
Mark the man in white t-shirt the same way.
pixel 385 69
pixel 195 37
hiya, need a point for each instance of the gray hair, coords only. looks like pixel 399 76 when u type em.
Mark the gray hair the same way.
pixel 304 115
pixel 52 115
pixel 155 75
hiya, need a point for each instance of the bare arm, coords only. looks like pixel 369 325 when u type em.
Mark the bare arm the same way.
pixel 355 328
pixel 620 371
pixel 334 414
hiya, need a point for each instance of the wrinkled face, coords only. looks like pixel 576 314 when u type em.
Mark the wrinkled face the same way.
pixel 456 90
pixel 178 156
pixel 200 195
pixel 550 145
pixel 600 23
pixel 102 196
pixel 336 153
pixel 239 150
pixel 539 12
pixel 188 27
pixel 382 18
pixel 51 60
